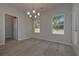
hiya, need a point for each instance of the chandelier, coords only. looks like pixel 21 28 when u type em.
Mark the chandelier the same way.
pixel 33 14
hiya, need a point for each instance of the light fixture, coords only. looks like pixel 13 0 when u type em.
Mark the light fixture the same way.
pixel 38 14
pixel 33 14
pixel 30 16
pixel 28 13
pixel 33 11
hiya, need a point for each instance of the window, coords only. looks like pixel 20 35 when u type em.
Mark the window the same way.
pixel 58 25
pixel 37 26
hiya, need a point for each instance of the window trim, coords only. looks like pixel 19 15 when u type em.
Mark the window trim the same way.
pixel 52 25
pixel 34 27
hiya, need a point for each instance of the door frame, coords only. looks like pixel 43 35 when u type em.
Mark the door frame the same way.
pixel 16 19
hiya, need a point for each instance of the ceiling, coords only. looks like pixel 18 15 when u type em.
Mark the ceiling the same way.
pixel 41 7
pixel 37 6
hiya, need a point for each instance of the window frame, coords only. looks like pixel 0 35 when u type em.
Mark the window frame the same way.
pixel 52 25
pixel 34 27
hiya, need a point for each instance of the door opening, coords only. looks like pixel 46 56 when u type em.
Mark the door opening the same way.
pixel 10 28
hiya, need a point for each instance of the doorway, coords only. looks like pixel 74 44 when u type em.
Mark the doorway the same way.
pixel 10 28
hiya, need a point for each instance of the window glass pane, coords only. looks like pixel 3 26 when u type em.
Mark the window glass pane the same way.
pixel 37 26
pixel 58 25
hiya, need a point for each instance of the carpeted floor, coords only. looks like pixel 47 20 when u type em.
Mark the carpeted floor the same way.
pixel 35 47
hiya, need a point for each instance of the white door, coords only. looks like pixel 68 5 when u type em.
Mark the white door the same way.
pixel 75 26
pixel 75 33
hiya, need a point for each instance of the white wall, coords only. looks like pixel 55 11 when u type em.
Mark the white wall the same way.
pixel 24 25
pixel 46 29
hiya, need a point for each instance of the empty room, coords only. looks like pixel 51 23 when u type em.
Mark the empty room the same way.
pixel 39 29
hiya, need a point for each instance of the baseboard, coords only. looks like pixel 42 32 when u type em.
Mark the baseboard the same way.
pixel 57 42
pixel 75 50
pixel 24 39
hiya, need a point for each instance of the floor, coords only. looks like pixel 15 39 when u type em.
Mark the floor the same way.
pixel 35 47
pixel 7 40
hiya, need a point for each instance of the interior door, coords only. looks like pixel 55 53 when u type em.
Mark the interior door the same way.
pixel 75 27
pixel 75 33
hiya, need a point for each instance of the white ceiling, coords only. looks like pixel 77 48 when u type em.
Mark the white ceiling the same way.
pixel 37 6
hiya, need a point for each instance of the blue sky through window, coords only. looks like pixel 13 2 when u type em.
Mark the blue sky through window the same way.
pixel 61 18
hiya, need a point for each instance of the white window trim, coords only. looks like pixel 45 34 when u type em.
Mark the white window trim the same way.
pixel 52 25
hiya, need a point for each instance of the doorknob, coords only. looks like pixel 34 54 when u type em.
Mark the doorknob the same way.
pixel 76 30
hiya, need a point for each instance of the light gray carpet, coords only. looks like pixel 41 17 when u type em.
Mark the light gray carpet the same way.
pixel 35 47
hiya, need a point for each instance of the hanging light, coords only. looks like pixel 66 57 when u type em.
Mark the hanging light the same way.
pixel 38 14
pixel 34 11
pixel 30 16
pixel 28 13
pixel 35 16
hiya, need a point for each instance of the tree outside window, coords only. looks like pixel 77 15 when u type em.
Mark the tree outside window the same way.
pixel 37 26
pixel 58 25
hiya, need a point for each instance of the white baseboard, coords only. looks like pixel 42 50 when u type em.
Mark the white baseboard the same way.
pixel 75 50
pixel 44 39
pixel 24 39
pixel 70 44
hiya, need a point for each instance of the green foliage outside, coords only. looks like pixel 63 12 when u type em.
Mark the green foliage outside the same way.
pixel 57 24
pixel 37 23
